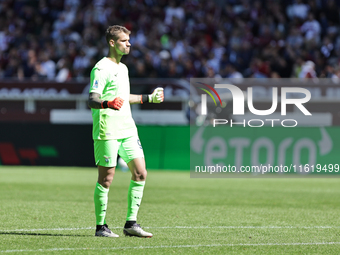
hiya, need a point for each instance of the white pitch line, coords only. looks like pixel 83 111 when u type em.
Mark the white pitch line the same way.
pixel 46 229
pixel 265 227
pixel 172 246
pixel 179 227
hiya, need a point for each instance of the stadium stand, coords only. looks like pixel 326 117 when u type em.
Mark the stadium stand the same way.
pixel 60 40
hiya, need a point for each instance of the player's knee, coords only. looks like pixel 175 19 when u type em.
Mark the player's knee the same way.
pixel 106 182
pixel 141 175
pixel 109 179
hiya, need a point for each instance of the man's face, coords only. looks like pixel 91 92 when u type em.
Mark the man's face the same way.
pixel 122 45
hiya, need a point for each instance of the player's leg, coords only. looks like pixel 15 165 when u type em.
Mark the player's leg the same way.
pixel 135 195
pixel 136 188
pixel 131 151
pixel 101 193
pixel 106 161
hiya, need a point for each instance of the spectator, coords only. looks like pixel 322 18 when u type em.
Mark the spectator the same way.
pixel 81 62
pixel 327 48
pixel 297 68
pixel 332 11
pixel 173 11
pixel 211 73
pixel 298 10
pixel 47 66
pixel 308 70
pixel 177 39
pixel 311 29
pixel 64 72
pixel 12 68
pixel 232 73
pixel 294 38
pixel 29 64
pixel 39 73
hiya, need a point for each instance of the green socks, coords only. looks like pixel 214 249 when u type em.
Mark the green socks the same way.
pixel 135 195
pixel 100 203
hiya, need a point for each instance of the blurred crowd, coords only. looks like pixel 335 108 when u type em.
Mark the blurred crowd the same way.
pixel 61 40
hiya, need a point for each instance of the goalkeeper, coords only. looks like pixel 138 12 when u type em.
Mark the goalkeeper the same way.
pixel 114 131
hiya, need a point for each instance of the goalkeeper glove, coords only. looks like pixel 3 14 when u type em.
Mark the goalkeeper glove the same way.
pixel 116 103
pixel 157 96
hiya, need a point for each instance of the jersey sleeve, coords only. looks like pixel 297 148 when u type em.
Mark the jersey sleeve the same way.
pixel 98 81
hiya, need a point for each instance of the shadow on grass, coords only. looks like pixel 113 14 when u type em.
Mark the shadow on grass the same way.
pixel 37 234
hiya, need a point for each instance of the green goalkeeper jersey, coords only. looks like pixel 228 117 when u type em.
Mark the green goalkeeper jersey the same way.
pixel 111 80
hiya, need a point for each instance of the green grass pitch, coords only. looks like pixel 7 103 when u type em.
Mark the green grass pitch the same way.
pixel 49 210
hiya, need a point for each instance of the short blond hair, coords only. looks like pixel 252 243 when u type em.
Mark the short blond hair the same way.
pixel 113 31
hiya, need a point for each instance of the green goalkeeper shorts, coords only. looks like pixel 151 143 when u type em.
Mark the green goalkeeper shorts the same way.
pixel 106 151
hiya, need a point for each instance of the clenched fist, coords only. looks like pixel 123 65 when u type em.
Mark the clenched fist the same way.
pixel 157 96
pixel 115 103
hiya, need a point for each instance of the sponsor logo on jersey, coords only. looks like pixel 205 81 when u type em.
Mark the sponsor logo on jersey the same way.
pixel 95 84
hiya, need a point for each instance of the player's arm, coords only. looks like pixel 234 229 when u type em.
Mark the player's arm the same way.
pixel 96 103
pixel 157 96
pixel 98 83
